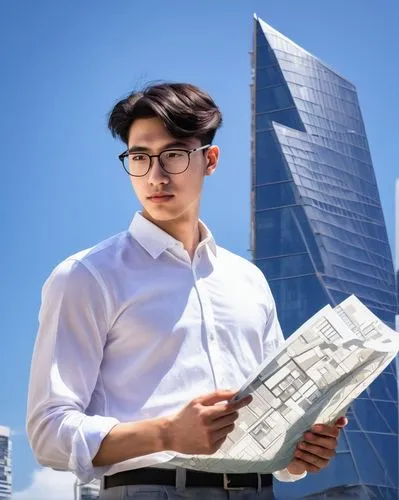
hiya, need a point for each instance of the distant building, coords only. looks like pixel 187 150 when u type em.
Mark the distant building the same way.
pixel 319 235
pixel 397 247
pixel 87 491
pixel 5 464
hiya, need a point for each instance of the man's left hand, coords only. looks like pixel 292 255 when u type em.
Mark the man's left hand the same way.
pixel 317 449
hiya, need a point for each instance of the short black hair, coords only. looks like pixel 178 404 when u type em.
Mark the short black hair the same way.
pixel 186 111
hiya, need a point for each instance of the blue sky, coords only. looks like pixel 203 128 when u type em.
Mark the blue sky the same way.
pixel 65 63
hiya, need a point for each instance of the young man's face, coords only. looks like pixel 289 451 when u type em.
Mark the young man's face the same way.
pixel 169 197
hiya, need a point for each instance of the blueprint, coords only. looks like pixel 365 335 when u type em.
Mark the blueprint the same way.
pixel 313 378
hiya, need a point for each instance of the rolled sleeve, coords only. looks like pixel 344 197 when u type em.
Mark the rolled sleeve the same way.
pixel 86 441
pixel 64 372
pixel 286 477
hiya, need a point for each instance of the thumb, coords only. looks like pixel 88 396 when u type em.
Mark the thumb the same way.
pixel 216 397
pixel 341 422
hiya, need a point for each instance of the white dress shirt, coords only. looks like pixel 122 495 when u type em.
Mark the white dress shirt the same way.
pixel 131 329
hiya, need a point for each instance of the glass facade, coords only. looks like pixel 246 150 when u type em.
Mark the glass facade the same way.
pixel 87 491
pixel 5 464
pixel 319 235
pixel 397 246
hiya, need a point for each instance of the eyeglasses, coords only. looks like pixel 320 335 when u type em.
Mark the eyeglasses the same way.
pixel 173 161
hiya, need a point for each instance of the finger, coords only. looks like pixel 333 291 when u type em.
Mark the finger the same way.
pixel 325 430
pixel 341 422
pixel 324 442
pixel 221 433
pixel 311 459
pixel 221 422
pixel 216 397
pixel 241 403
pixel 301 464
pixel 220 410
pixel 318 451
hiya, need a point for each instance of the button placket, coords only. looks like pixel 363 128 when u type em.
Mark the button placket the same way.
pixel 204 321
pixel 213 346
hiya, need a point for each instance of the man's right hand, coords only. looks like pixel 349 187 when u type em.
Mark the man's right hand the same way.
pixel 202 426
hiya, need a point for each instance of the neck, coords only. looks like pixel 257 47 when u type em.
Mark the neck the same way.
pixel 185 230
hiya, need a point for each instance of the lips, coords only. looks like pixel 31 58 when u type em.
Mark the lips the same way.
pixel 160 196
pixel 160 199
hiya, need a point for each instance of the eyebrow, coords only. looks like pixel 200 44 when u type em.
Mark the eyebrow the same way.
pixel 170 145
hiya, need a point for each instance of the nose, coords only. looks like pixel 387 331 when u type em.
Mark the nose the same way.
pixel 157 174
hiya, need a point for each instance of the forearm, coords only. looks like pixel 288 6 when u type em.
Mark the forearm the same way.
pixel 131 440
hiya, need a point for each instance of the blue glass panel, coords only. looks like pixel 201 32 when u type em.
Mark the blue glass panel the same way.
pixel 386 448
pixel 286 237
pixel 374 493
pixel 273 98
pixel 390 368
pixel 368 416
pixel 370 469
pixel 338 296
pixel 304 216
pixel 342 443
pixel 264 57
pixel 391 384
pixel 263 122
pixel 260 36
pixel 384 493
pixel 275 195
pixel 270 166
pixel 268 76
pixel 288 117
pixel 297 302
pixel 364 395
pixel 352 421
pixel 384 387
pixel 390 413
pixel 341 470
pixel 282 267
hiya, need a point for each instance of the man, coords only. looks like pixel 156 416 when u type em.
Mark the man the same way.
pixel 145 338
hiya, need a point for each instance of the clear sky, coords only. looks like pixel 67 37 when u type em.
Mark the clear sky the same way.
pixel 65 63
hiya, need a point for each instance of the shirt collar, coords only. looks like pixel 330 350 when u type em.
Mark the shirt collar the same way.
pixel 155 240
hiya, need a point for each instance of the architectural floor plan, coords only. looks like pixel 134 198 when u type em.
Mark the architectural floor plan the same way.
pixel 327 363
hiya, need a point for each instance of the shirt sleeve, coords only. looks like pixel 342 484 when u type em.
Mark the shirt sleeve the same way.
pixel 273 337
pixel 286 477
pixel 272 341
pixel 65 367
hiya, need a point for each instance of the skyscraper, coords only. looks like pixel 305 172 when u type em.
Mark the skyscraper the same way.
pixel 318 234
pixel 87 491
pixel 5 464
pixel 397 247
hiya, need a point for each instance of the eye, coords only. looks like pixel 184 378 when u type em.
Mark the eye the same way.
pixel 138 157
pixel 172 155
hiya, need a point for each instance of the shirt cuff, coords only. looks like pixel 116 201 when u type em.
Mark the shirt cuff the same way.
pixel 86 443
pixel 286 477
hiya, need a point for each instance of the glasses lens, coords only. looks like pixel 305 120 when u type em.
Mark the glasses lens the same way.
pixel 174 161
pixel 137 163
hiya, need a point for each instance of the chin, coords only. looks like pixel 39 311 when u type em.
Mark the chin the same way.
pixel 161 214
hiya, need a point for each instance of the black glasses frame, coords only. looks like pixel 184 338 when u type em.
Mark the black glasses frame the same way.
pixel 126 154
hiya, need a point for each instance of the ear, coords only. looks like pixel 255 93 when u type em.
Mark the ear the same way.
pixel 213 158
